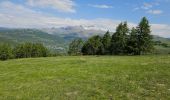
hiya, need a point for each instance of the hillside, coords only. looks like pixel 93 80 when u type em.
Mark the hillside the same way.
pixel 164 40
pixel 164 48
pixel 15 36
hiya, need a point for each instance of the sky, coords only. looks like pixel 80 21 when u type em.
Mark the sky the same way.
pixel 92 14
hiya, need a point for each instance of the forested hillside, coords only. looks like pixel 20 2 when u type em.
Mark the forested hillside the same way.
pixel 17 36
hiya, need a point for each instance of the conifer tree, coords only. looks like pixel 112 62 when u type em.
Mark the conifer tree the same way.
pixel 119 39
pixel 5 51
pixel 132 43
pixel 106 42
pixel 93 46
pixel 144 37
pixel 75 47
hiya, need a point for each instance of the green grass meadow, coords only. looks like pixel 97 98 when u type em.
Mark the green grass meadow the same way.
pixel 86 78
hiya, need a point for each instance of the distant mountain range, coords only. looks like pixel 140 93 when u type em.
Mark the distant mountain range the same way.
pixel 56 39
pixel 72 32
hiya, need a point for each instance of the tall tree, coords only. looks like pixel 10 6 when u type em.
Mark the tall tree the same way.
pixel 19 52
pixel 132 43
pixel 39 50
pixel 93 46
pixel 144 37
pixel 106 42
pixel 5 51
pixel 27 50
pixel 119 39
pixel 75 47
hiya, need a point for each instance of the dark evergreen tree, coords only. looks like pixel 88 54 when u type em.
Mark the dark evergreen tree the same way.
pixel 145 43
pixel 93 46
pixel 132 43
pixel 5 51
pixel 119 39
pixel 27 50
pixel 75 47
pixel 87 48
pixel 39 50
pixel 19 52
pixel 106 42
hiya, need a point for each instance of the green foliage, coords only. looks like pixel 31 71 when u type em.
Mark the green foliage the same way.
pixel 132 43
pixel 93 46
pixel 28 50
pixel 106 42
pixel 145 43
pixel 165 45
pixel 119 39
pixel 159 43
pixel 137 42
pixel 75 47
pixel 5 51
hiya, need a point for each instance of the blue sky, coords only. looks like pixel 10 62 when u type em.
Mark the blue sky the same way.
pixel 95 14
pixel 130 10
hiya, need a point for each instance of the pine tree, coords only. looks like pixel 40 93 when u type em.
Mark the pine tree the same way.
pixel 132 43
pixel 5 51
pixel 75 47
pixel 93 46
pixel 119 39
pixel 106 42
pixel 28 50
pixel 87 48
pixel 144 37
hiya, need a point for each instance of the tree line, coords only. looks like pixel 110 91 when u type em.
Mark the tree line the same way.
pixel 25 50
pixel 124 41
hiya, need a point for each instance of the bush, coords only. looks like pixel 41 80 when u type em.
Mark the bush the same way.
pixel 5 52
pixel 28 50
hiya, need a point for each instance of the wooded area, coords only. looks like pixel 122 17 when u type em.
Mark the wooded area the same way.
pixel 124 41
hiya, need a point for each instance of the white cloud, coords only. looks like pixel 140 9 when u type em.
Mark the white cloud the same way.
pixel 13 15
pixel 136 8
pixel 161 30
pixel 147 6
pixel 60 5
pixel 155 12
pixel 18 16
pixel 101 6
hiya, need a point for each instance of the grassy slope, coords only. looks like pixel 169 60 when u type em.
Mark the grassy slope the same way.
pixel 86 78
